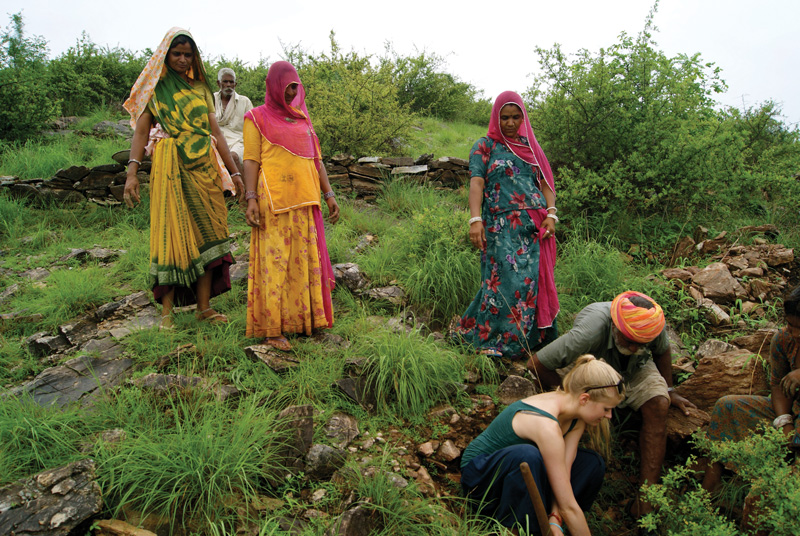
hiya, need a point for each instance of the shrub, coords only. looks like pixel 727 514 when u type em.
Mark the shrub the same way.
pixel 354 104
pixel 25 107
pixel 87 75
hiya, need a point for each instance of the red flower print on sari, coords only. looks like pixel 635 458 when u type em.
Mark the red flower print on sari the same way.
pixel 518 199
pixel 513 218
pixel 484 330
pixel 468 323
pixel 530 300
pixel 514 316
pixel 493 282
pixel 485 151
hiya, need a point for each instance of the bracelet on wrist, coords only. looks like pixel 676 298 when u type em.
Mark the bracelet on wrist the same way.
pixel 553 216
pixel 250 194
pixel 134 160
pixel 328 195
pixel 557 525
pixel 782 420
pixel 670 389
pixel 476 219
pixel 558 518
pixel 238 173
pixel 554 209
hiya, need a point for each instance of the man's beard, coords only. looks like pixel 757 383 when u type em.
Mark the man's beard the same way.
pixel 228 92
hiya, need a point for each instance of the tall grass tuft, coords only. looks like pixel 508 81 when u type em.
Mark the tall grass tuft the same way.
pixel 192 460
pixel 409 373
pixel 35 438
pixel 69 293
pixel 41 158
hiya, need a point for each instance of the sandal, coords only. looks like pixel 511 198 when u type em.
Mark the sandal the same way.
pixel 279 343
pixel 211 316
pixel 491 352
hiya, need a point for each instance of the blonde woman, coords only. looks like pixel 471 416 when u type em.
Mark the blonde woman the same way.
pixel 544 430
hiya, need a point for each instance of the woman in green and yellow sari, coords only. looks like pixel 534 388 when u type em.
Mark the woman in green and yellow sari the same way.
pixel 172 106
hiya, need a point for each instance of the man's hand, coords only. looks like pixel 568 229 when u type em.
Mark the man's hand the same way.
pixel 790 384
pixel 680 402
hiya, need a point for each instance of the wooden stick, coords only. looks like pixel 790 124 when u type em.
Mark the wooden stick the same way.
pixel 536 499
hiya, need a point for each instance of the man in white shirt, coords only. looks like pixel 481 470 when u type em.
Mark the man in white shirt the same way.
pixel 230 108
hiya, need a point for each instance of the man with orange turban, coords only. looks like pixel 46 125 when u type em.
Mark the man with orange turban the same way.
pixel 628 333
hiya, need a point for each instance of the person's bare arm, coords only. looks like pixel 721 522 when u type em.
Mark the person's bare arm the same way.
pixel 325 186
pixel 138 142
pixel 477 232
pixel 664 364
pixel 549 224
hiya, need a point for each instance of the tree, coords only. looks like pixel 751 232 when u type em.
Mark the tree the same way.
pixel 25 107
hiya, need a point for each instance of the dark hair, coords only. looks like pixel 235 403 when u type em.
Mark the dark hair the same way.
pixel 644 303
pixel 791 304
pixel 182 40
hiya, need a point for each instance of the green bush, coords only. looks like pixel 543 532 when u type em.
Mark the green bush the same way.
pixel 87 75
pixel 760 460
pixel 631 130
pixel 25 106
pixel 354 104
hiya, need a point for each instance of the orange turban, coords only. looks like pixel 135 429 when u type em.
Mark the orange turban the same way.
pixel 637 324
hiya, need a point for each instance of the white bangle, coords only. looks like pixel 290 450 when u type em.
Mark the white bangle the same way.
pixel 782 420
pixel 239 173
pixel 554 209
pixel 475 219
pixel 555 218
pixel 670 389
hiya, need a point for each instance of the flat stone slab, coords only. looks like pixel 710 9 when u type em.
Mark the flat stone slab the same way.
pixel 78 380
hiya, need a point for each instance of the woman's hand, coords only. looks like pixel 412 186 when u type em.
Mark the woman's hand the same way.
pixel 790 384
pixel 252 214
pixel 131 192
pixel 548 228
pixel 333 209
pixel 238 185
pixel 477 235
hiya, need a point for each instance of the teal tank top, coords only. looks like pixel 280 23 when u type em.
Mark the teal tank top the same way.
pixel 500 434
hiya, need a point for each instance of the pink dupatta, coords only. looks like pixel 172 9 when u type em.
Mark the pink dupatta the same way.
pixel 289 126
pixel 547 302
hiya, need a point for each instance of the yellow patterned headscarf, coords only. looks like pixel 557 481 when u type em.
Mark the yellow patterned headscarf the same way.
pixel 637 324
pixel 156 69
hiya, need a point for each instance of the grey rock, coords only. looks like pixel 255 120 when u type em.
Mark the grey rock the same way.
pixel 410 170
pixel 349 275
pixel 717 283
pixel 96 180
pixel 119 128
pixel 393 294
pixel 9 292
pixel 36 274
pixel 78 380
pixel 168 382
pixel 73 173
pixel 341 429
pixel 107 347
pixel 712 347
pixel 279 362
pixel 53 503
pixel 515 388
pixel 61 195
pixel 398 161
pixel 448 451
pixel 322 461
pixel 358 521
pixel 42 344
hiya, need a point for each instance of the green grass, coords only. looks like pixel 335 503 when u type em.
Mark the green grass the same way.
pixel 41 158
pixel 443 138
pixel 198 459
pixel 409 373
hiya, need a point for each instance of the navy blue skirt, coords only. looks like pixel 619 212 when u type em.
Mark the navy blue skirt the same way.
pixel 495 487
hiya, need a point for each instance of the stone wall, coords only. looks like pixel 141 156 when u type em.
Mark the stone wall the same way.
pixel 361 177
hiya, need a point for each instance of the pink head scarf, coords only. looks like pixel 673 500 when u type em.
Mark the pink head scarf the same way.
pixel 288 126
pixel 532 154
